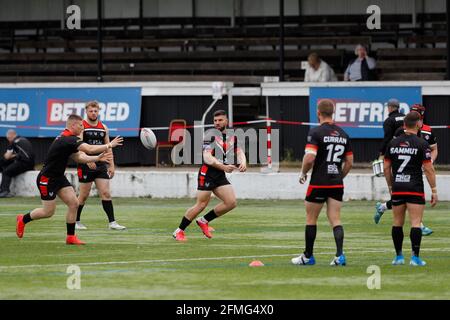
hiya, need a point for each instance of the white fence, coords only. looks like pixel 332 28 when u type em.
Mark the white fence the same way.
pixel 250 185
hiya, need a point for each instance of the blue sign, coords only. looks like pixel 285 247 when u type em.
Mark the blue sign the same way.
pixel 359 109
pixel 42 112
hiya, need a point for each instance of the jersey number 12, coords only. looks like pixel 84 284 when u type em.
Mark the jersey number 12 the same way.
pixel 334 152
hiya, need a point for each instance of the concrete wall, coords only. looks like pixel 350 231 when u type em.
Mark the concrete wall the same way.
pixel 250 185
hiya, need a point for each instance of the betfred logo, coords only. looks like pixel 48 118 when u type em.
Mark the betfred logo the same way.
pixel 363 112
pixel 14 112
pixel 59 110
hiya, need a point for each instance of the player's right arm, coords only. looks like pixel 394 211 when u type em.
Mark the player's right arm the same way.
pixel 92 149
pixel 348 159
pixel 428 169
pixel 210 160
pixel 310 156
pixel 348 164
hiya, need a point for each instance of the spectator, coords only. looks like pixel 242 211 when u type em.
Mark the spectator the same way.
pixel 362 68
pixel 18 158
pixel 318 70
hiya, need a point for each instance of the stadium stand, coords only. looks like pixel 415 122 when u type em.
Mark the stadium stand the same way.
pixel 178 47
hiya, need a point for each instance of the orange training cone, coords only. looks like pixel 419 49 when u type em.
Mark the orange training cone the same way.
pixel 256 263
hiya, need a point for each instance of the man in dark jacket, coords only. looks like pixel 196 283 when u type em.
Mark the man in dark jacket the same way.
pixel 391 124
pixel 18 158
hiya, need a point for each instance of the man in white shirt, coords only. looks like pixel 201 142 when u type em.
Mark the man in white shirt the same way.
pixel 318 70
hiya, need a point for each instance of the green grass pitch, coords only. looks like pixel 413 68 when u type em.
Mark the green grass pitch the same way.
pixel 144 262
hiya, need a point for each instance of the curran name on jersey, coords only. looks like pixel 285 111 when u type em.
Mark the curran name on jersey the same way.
pixel 332 139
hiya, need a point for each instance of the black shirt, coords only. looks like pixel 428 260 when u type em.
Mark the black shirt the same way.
pixel 223 149
pixel 331 144
pixel 407 153
pixel 390 125
pixel 424 133
pixel 23 150
pixel 58 155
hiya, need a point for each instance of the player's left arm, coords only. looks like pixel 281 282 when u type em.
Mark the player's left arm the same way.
pixel 434 152
pixel 387 167
pixel 111 167
pixel 242 160
pixel 388 173
pixel 433 147
pixel 240 154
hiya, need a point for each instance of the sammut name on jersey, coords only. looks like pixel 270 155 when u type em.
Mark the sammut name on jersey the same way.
pixel 403 150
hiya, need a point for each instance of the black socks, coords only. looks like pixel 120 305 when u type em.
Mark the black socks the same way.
pixel 310 237
pixel 70 229
pixel 108 207
pixel 210 216
pixel 184 223
pixel 397 237
pixel 80 208
pixel 416 237
pixel 338 232
pixel 389 204
pixel 27 218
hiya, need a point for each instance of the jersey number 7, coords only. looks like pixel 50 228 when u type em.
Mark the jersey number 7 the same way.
pixel 404 163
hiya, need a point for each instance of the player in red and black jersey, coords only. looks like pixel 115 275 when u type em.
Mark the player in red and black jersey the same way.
pixel 96 133
pixel 403 162
pixel 51 181
pixel 218 158
pixel 328 152
pixel 426 134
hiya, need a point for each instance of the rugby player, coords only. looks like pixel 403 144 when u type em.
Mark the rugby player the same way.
pixel 96 133
pixel 328 152
pixel 404 158
pixel 217 154
pixel 426 134
pixel 51 181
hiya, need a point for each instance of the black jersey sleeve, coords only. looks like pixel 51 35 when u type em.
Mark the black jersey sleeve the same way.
pixel 426 152
pixel 348 148
pixel 208 144
pixel 74 142
pixel 312 142
pixel 432 140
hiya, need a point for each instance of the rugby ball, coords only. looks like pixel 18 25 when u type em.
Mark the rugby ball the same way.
pixel 148 138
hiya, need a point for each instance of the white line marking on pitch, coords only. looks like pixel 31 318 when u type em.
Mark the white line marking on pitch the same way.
pixel 191 259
